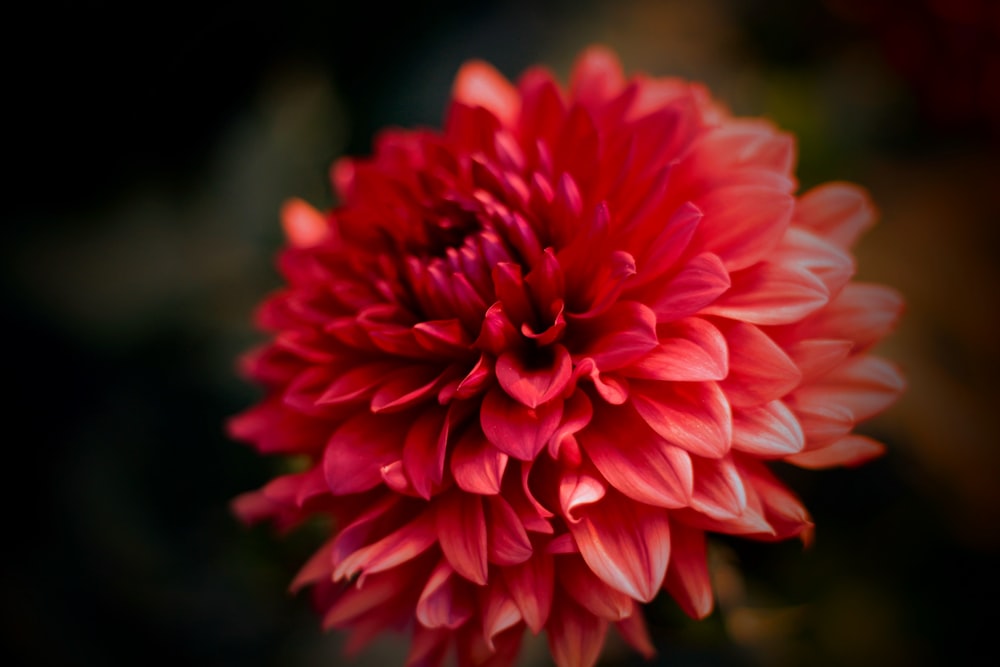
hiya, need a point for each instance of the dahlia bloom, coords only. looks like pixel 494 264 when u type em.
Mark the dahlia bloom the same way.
pixel 529 361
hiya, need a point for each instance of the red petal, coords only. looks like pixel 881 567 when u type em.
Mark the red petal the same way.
pixel 839 212
pixel 692 415
pixel 499 612
pixel 356 452
pixel 718 489
pixel 357 383
pixel 581 584
pixel 649 469
pixel 515 429
pixel 532 585
pixel 319 567
pixel 534 386
pixel 443 337
pixel 476 464
pixel 398 547
pixel 461 530
pixel 576 490
pixel 626 544
pixel 688 578
pixel 597 76
pixel 690 350
pixel 769 293
pixel 424 451
pixel 407 387
pixel 507 541
pixel 743 223
pixel 666 248
pixel 850 451
pixel 698 284
pixel 623 334
pixel 479 84
pixel 759 370
pixel 575 636
pixel 445 601
pixel 767 431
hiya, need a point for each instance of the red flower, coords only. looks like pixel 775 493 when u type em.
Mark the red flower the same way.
pixel 533 358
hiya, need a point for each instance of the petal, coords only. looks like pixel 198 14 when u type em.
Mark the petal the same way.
pixel 356 452
pixel 718 489
pixel 688 580
pixel 477 465
pixel 839 212
pixel 743 223
pixel 575 636
pixel 865 385
pixel 693 415
pixel 861 313
pixel 406 387
pixel 817 357
pixel 516 429
pixel 597 76
pixel 576 490
pixel 507 541
pixel 635 460
pixel 625 333
pixel 634 631
pixel 424 451
pixel 690 350
pixel 461 531
pixel 532 386
pixel 586 589
pixel 480 84
pixel 532 585
pixel 850 451
pixel 445 602
pixel 759 370
pixel 304 226
pixel 626 544
pixel 767 431
pixel 499 612
pixel 700 282
pixel 402 545
pixel 770 293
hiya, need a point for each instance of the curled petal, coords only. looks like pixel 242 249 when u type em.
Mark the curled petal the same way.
pixel 445 602
pixel 477 465
pixel 688 579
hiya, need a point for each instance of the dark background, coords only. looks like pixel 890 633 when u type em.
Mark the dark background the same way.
pixel 147 153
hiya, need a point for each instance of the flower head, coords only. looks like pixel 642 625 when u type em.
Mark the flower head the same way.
pixel 533 358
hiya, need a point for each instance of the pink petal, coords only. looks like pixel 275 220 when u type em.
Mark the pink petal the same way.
pixel 696 285
pixel 767 431
pixel 850 451
pixel 693 415
pixel 626 544
pixel 597 76
pixel 718 489
pixel 461 531
pixel 516 429
pixel 507 541
pixel 480 84
pixel 532 585
pixel 445 601
pixel 817 357
pixel 499 612
pixel 625 333
pixel 770 293
pixel 688 578
pixel 477 465
pixel 861 313
pixel 690 350
pixel 649 469
pixel 532 386
pixel 865 385
pixel 356 452
pixel 304 226
pixel 477 379
pixel 575 636
pixel 398 547
pixel 759 370
pixel 743 223
pixel 577 412
pixel 839 212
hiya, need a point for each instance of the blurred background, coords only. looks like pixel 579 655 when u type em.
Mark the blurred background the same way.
pixel 149 147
